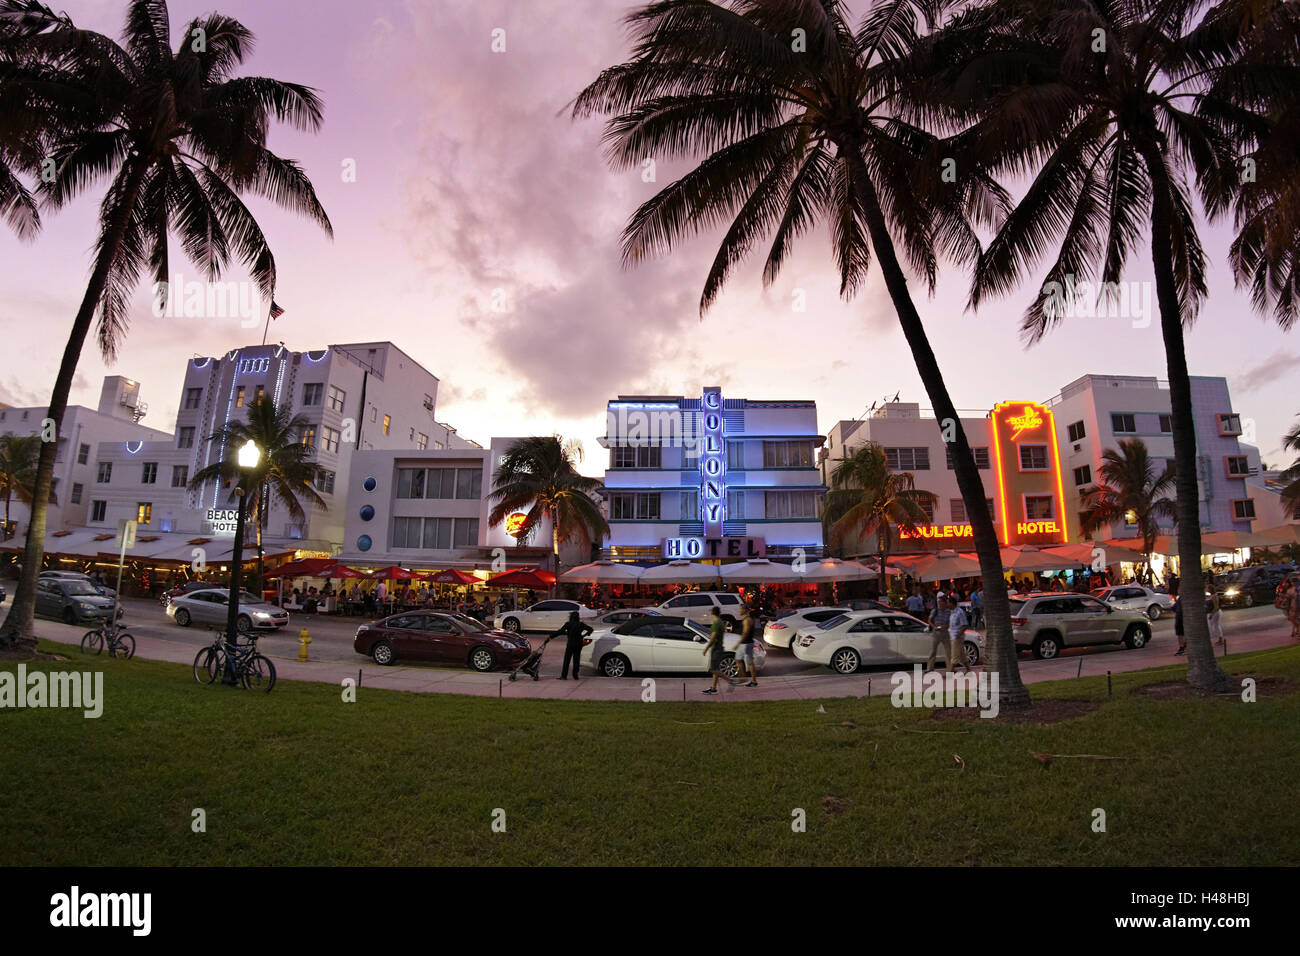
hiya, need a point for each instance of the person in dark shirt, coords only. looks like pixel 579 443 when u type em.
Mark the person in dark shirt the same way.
pixel 574 630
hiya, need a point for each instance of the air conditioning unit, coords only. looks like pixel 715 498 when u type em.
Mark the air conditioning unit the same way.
pixel 428 405
pixel 1077 446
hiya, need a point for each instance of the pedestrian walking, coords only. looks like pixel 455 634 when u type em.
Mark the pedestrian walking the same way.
pixel 1214 614
pixel 977 605
pixel 916 603
pixel 1291 604
pixel 714 649
pixel 1178 626
pixel 574 630
pixel 745 649
pixel 957 622
pixel 939 618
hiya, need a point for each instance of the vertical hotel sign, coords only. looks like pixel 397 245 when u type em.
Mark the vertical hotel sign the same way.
pixel 1026 481
pixel 713 464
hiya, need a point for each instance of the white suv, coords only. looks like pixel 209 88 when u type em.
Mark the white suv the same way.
pixel 698 606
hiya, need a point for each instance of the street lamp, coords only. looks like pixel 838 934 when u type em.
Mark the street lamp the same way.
pixel 247 458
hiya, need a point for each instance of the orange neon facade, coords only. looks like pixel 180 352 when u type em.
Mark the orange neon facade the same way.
pixel 1011 422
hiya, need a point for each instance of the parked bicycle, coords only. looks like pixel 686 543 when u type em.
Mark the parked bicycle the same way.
pixel 110 634
pixel 252 670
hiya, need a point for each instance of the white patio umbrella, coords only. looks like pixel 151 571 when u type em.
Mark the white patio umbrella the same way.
pixel 833 569
pixel 680 572
pixel 1236 540
pixel 604 572
pixel 761 571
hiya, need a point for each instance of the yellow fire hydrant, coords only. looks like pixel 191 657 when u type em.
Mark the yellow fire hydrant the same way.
pixel 303 640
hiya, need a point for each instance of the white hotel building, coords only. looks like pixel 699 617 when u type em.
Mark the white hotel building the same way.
pixel 711 477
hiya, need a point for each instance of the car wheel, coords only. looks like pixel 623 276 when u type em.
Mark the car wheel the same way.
pixel 845 661
pixel 729 668
pixel 382 653
pixel 243 624
pixel 615 665
pixel 511 624
pixel 972 653
pixel 182 617
pixel 1248 600
pixel 482 659
pixel 1047 646
pixel 1137 636
pixel 1153 612
pixel 69 616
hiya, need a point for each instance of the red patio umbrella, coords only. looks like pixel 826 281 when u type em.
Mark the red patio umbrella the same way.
pixel 451 576
pixel 392 573
pixel 337 570
pixel 304 568
pixel 524 578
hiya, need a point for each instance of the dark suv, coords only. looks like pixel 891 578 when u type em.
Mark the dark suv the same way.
pixel 1246 587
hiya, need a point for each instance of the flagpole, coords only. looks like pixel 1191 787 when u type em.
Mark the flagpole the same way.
pixel 267 327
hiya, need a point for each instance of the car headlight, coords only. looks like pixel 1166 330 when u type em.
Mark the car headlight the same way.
pixel 85 607
pixel 1231 592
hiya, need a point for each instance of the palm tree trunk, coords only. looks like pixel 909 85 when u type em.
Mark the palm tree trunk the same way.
pixel 1203 670
pixel 17 631
pixel 555 546
pixel 1002 649
pixel 884 561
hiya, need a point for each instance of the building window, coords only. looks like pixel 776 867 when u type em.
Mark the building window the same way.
pixel 324 481
pixel 411 436
pixel 192 397
pixel 388 423
pixel 421 441
pixel 149 473
pixel 981 456
pixel 441 483
pixel 83 454
pixel 907 459
pixel 1083 475
pixel 1038 508
pixel 337 397
pixel 689 509
pixel 790 504
pixel 1076 431
pixel 466 533
pixel 1033 458
pixel 239 396
pixel 469 483
pixel 105 472
pixel 406 532
pixel 180 476
pixel 1229 424
pixel 927 507
pixel 1166 424
pixel 410 482
pixel 1238 466
pixel 735 455
pixel 736 505
pixel 97 510
pixel 373 412
pixel 144 512
pixel 1123 424
pixel 958 508
pixel 1243 509
pixel 312 392
pixel 787 454
pixel 329 438
pixel 309 436
pixel 639 507
pixel 260 393
pixel 76 494
pixel 186 438
pixel 636 456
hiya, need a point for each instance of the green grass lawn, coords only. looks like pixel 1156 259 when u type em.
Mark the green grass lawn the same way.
pixel 299 777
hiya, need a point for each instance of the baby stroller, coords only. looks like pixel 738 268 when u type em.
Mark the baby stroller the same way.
pixel 533 663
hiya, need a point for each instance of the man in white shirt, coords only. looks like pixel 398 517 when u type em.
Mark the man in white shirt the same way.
pixel 957 638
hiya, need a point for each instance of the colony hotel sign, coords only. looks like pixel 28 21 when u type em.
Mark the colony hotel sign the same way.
pixel 713 464
pixel 685 548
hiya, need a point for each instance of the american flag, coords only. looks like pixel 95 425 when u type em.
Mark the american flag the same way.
pixel 276 311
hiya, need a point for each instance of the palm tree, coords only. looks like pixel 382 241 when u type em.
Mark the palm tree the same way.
pixel 799 117
pixel 1291 475
pixel 18 457
pixel 1111 106
pixel 179 139
pixel 866 499
pixel 1129 491
pixel 539 476
pixel 285 474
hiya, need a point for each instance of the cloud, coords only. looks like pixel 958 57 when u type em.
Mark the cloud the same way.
pixel 1278 365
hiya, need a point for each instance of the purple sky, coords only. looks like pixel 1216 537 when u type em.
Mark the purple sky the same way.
pixel 471 180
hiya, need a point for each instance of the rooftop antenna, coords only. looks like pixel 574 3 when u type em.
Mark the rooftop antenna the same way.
pixel 897 393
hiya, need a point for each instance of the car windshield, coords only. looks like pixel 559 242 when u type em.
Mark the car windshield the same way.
pixel 469 623
pixel 833 622
pixel 697 628
pixel 1233 577
pixel 1015 605
pixel 78 588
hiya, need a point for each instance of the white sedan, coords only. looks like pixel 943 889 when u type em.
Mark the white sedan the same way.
pixel 780 631
pixel 1135 597
pixel 659 644
pixel 542 616
pixel 855 638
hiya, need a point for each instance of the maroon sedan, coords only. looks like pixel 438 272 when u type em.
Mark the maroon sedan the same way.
pixel 440 638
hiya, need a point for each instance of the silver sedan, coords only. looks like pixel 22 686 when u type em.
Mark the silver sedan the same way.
pixel 212 607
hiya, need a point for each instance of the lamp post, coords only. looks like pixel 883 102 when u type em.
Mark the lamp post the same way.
pixel 247 458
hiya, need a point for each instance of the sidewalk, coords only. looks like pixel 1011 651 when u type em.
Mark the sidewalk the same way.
pixel 1087 662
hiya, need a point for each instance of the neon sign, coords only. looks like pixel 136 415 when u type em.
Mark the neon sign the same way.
pixel 677 548
pixel 1037 527
pixel 713 465
pixel 1027 420
pixel 938 531
pixel 253 366
pixel 515 523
